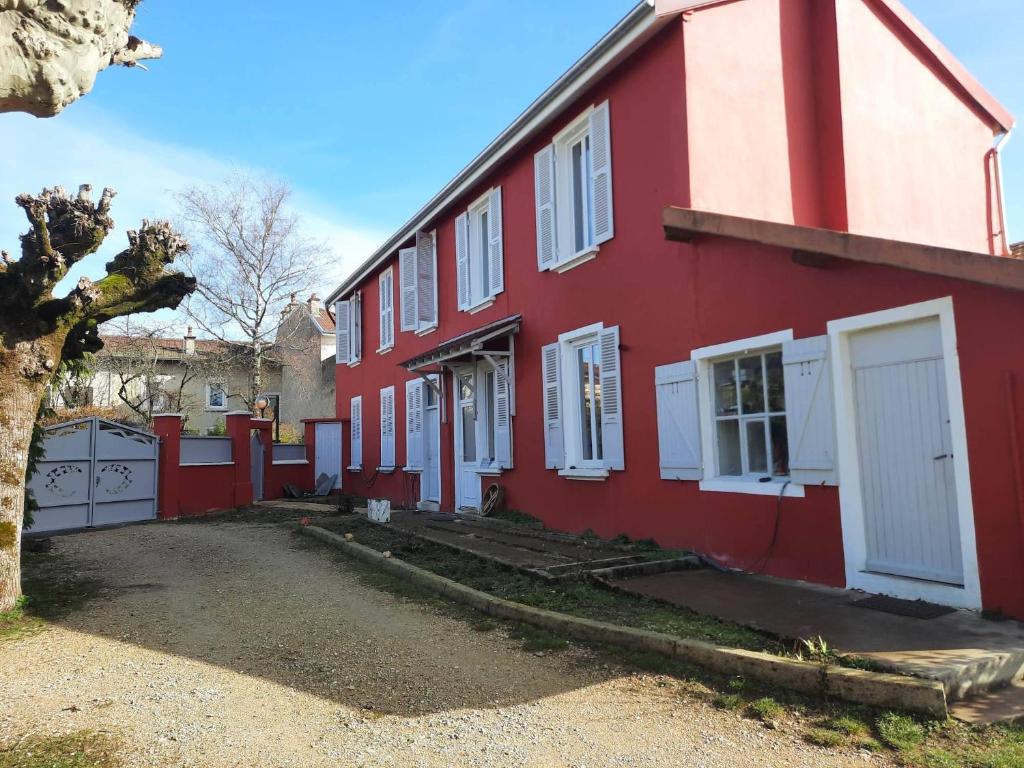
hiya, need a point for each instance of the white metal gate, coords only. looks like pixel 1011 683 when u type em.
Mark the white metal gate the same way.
pixel 328 451
pixel 94 472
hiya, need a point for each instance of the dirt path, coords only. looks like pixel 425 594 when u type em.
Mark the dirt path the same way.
pixel 238 645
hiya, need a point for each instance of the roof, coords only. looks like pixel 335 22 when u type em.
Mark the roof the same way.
pixel 465 342
pixel 324 320
pixel 114 344
pixel 1017 250
pixel 809 245
pixel 630 33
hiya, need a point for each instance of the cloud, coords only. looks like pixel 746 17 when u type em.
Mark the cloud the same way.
pixel 85 145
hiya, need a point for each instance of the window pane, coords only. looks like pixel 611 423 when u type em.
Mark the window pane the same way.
pixel 468 434
pixel 431 395
pixel 595 357
pixel 752 384
pixel 584 359
pixel 757 449
pixel 729 448
pixel 725 388
pixel 776 389
pixel 485 262
pixel 466 387
pixel 780 446
pixel 590 190
pixel 578 190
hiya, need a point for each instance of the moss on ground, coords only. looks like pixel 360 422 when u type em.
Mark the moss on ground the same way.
pixel 81 749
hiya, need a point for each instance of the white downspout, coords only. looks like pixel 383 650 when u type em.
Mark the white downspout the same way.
pixel 1000 144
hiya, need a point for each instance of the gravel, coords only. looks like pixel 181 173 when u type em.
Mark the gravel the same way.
pixel 240 645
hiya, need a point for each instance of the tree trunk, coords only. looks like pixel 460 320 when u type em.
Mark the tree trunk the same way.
pixel 19 404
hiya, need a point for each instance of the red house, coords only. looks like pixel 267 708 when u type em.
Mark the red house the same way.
pixel 738 281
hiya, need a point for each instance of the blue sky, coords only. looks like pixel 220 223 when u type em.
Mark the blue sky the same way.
pixel 365 108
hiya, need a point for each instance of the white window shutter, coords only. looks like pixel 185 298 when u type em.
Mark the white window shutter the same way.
pixel 554 440
pixel 544 189
pixel 601 174
pixel 496 245
pixel 810 415
pixel 407 282
pixel 356 305
pixel 387 427
pixel 342 336
pixel 462 270
pixel 356 431
pixel 386 316
pixel 426 279
pixel 414 424
pixel 611 399
pixel 678 421
pixel 502 417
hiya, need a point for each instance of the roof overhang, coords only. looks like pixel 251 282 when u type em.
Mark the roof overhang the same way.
pixel 639 26
pixel 466 344
pixel 815 247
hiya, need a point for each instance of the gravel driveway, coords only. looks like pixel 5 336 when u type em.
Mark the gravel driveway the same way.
pixel 241 645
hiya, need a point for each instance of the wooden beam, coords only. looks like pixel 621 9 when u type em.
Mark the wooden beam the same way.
pixel 999 271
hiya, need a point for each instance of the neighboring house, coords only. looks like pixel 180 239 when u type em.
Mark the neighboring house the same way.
pixel 141 376
pixel 809 369
pixel 305 346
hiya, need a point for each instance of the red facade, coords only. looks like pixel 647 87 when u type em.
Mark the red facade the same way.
pixel 799 161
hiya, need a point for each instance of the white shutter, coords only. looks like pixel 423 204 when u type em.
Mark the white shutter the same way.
pixel 678 421
pixel 414 424
pixel 387 427
pixel 356 306
pixel 462 270
pixel 495 245
pixel 611 399
pixel 810 416
pixel 387 315
pixel 502 417
pixel 544 189
pixel 356 431
pixel 342 337
pixel 407 282
pixel 554 440
pixel 601 174
pixel 426 279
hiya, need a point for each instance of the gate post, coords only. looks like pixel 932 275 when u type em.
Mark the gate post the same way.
pixel 167 426
pixel 238 429
pixel 309 437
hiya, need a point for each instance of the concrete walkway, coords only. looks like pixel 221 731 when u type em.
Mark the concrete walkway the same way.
pixel 968 654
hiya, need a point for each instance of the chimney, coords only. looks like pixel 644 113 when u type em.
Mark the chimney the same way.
pixel 190 342
pixel 315 306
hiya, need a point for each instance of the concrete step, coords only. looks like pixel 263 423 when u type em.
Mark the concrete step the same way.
pixel 1004 705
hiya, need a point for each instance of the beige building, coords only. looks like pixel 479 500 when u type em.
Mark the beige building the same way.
pixel 306 346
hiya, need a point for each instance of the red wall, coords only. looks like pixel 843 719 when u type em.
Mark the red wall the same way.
pixel 668 299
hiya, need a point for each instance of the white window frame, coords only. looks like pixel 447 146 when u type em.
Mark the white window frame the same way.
pixel 423 326
pixel 575 465
pixel 355 333
pixel 705 357
pixel 209 389
pixel 386 310
pixel 480 296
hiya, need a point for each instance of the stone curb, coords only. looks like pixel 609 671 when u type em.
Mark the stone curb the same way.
pixel 877 689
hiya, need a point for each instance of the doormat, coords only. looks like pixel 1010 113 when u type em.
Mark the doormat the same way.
pixel 915 609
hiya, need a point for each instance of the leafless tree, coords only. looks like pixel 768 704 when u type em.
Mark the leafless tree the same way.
pixel 249 255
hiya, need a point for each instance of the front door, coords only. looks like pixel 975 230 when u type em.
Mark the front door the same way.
pixel 907 474
pixel 430 489
pixel 328 451
pixel 467 481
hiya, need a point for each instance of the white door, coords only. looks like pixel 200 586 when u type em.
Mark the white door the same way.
pixel 467 481
pixel 430 480
pixel 328 451
pixel 907 474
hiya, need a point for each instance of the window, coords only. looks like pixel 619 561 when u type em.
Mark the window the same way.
pixel 583 402
pixel 387 428
pixel 418 284
pixel 349 329
pixel 479 253
pixel 216 398
pixel 356 433
pixel 573 187
pixel 386 290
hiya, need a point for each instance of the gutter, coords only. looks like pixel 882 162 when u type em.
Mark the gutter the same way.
pixel 637 27
pixel 997 166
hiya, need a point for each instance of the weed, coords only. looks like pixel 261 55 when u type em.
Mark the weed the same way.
pixel 730 701
pixel 848 725
pixel 737 683
pixel 822 737
pixel 900 732
pixel 765 709
pixel 484 625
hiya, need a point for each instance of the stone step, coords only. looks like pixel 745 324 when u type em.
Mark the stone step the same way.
pixel 1004 705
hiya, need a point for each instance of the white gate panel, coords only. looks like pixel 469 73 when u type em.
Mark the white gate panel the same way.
pixel 328 451
pixel 94 472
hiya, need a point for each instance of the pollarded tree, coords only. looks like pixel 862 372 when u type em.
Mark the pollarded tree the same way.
pixel 38 331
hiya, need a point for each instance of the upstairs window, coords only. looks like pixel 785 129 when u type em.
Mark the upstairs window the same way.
pixel 216 398
pixel 418 283
pixel 479 253
pixel 386 291
pixel 349 329
pixel 573 188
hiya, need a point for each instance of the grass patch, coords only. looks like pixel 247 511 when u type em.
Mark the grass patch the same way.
pixel 728 701
pixel 848 726
pixel 82 749
pixel 50 594
pixel 822 737
pixel 901 732
pixel 537 640
pixel 766 709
